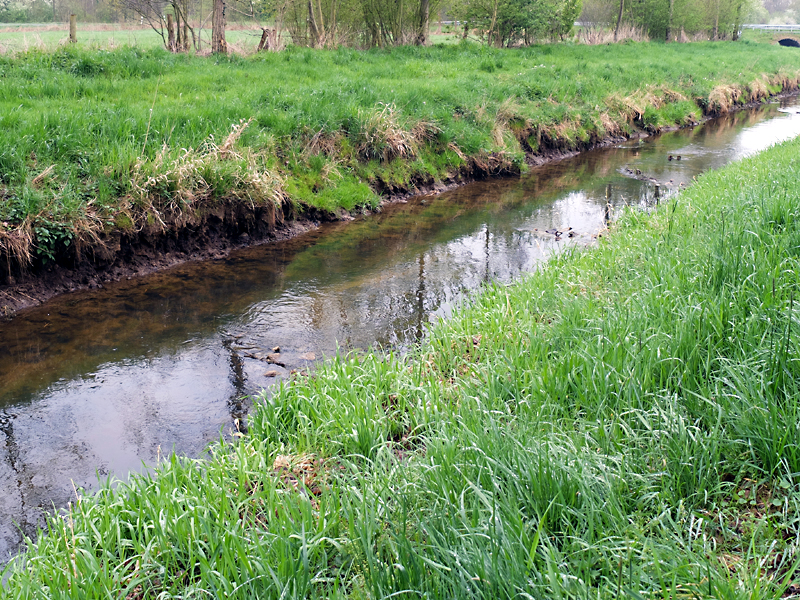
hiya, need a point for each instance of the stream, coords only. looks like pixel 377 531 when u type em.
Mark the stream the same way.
pixel 98 384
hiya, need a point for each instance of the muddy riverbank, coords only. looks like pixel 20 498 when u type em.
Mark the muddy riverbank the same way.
pixel 119 255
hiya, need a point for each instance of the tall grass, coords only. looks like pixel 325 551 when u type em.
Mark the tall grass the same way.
pixel 329 129
pixel 622 423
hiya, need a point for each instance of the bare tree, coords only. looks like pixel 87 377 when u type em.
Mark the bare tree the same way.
pixel 168 18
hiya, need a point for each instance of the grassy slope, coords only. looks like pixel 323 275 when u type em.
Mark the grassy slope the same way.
pixel 81 153
pixel 622 423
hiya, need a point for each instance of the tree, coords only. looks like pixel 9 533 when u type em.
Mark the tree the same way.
pixel 218 42
pixel 156 12
pixel 511 22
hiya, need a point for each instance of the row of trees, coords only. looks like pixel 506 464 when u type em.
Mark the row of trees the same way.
pixel 675 20
pixel 359 23
pixel 381 23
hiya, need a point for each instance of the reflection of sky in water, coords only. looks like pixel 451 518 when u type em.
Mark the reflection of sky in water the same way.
pixel 104 380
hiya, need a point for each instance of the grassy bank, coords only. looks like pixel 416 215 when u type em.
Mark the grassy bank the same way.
pixel 96 142
pixel 622 423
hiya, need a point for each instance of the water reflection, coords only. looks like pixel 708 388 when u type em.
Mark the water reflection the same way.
pixel 97 382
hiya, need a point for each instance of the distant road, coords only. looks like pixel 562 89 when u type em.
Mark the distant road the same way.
pixel 772 27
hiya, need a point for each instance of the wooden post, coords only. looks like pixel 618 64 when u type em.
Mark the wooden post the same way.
pixel 73 29
pixel 264 43
pixel 170 34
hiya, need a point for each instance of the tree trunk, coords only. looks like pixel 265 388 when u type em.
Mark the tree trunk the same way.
pixel 312 25
pixel 738 22
pixel 619 18
pixel 332 41
pixel 264 43
pixel 424 22
pixel 494 22
pixel 55 18
pixel 321 26
pixel 397 32
pixel 716 23
pixel 669 21
pixel 170 34
pixel 179 41
pixel 73 29
pixel 218 43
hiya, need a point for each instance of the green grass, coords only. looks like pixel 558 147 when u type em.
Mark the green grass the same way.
pixel 622 423
pixel 24 37
pixel 97 140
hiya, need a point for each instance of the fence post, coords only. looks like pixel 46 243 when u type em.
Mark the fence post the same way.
pixel 73 29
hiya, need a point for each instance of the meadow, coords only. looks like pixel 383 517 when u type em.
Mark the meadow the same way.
pixel 24 37
pixel 97 141
pixel 622 423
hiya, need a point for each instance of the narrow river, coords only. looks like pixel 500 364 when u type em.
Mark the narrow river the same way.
pixel 96 384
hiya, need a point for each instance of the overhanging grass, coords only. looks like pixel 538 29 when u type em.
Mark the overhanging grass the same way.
pixel 79 128
pixel 622 423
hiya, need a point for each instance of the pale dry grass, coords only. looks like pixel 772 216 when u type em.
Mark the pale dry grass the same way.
pixel 759 89
pixel 171 184
pixel 508 112
pixel 633 106
pixel 596 35
pixel 722 98
pixel 37 181
pixel 323 142
pixel 16 243
pixel 788 80
pixel 383 136
pixel 609 125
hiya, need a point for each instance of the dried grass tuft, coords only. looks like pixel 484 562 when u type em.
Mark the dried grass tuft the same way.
pixel 16 243
pixel 382 136
pixel 301 472
pixel 596 35
pixel 609 125
pixel 508 113
pixel 457 150
pixel 787 81
pixel 169 185
pixel 425 131
pixel 722 98
pixel 633 106
pixel 37 181
pixel 324 142
pixel 236 132
pixel 758 89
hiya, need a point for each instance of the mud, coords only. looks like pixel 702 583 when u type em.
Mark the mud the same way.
pixel 124 255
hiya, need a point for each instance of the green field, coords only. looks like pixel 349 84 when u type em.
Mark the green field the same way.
pixel 93 141
pixel 621 424
pixel 24 37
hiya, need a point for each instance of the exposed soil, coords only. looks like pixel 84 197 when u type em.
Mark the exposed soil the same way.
pixel 127 254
